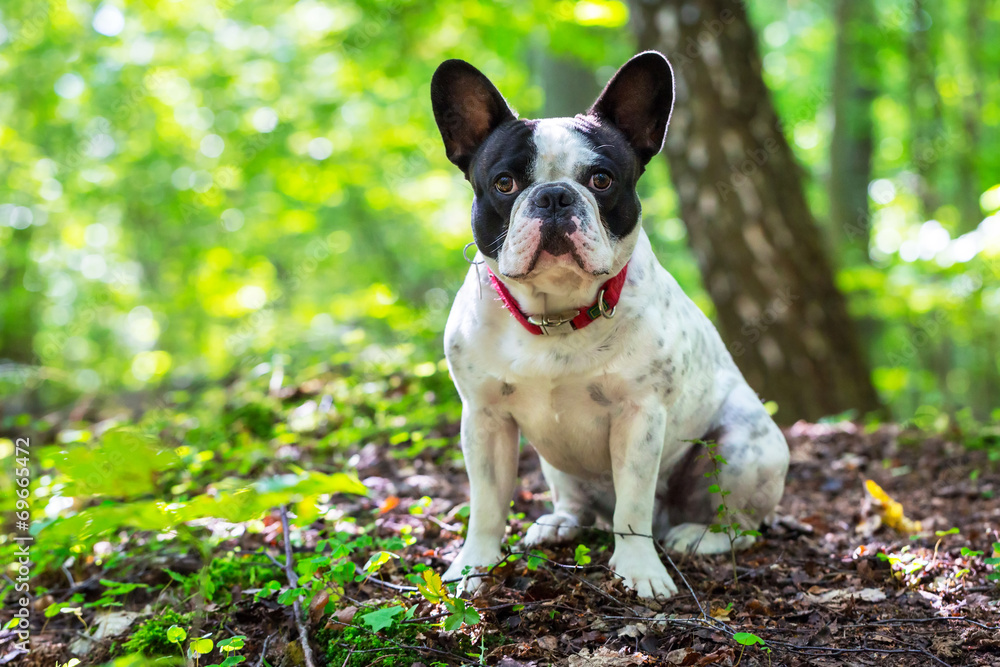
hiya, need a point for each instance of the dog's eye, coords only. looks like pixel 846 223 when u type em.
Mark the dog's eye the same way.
pixel 601 180
pixel 505 184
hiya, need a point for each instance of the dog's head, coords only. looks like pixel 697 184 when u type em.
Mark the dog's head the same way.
pixel 555 199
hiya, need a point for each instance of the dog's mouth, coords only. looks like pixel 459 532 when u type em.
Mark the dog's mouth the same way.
pixel 544 260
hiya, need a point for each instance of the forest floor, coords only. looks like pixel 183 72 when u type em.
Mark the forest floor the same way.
pixel 827 583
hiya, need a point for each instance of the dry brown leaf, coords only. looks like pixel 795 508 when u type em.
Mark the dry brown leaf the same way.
pixel 683 656
pixel 842 596
pixel 548 643
pixel 605 657
pixel 341 618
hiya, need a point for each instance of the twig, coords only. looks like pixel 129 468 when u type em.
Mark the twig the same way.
pixel 273 559
pixel 383 583
pixel 906 621
pixel 293 580
pixel 263 651
pixel 349 654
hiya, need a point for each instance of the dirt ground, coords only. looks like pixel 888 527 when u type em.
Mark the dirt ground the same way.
pixel 825 585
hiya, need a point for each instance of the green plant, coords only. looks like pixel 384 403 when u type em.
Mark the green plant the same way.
pixel 745 639
pixel 154 636
pixel 229 647
pixel 726 524
pixel 994 561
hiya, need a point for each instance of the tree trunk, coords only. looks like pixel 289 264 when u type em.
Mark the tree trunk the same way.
pixel 851 144
pixel 928 140
pixel 969 184
pixel 756 242
pixel 17 304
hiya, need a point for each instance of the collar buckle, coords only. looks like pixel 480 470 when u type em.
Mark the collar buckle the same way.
pixel 543 322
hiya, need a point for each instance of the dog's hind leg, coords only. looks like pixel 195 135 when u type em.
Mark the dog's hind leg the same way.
pixel 753 475
pixel 571 509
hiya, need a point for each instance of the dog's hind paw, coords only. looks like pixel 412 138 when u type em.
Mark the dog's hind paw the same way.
pixel 552 529
pixel 696 538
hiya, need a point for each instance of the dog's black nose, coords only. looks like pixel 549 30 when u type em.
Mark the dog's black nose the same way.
pixel 553 198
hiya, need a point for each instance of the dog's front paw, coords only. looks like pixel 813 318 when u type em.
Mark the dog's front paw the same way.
pixel 478 564
pixel 552 529
pixel 642 571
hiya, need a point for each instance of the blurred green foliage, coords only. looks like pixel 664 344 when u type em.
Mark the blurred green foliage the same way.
pixel 192 188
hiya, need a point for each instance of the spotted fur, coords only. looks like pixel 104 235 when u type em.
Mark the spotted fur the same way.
pixel 611 408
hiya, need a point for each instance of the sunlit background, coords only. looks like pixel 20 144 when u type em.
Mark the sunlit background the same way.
pixel 194 188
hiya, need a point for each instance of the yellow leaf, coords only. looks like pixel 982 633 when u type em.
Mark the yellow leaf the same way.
pixel 891 511
pixel 433 588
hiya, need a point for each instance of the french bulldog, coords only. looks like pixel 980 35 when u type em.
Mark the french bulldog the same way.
pixel 575 337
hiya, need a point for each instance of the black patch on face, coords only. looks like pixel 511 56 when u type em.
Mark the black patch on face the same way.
pixel 509 150
pixel 618 205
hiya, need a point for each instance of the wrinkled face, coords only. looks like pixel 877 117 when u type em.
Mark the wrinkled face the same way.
pixel 555 204
pixel 555 195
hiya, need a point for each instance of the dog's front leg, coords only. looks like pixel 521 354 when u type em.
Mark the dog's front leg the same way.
pixel 637 436
pixel 489 443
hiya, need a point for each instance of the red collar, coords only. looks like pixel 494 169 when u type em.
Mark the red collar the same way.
pixel 607 299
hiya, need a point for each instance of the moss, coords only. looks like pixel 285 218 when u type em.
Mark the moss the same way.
pixel 150 638
pixel 368 646
pixel 339 644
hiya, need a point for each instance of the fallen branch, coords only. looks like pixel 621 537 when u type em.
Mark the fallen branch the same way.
pixel 263 651
pixel 293 581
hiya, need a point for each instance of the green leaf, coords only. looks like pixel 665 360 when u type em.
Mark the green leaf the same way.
pixel 291 595
pixel 232 660
pixel 377 560
pixel 202 646
pixel 748 639
pixel 116 588
pixel 950 531
pixel 270 588
pixel 176 634
pixel 714 488
pixel 582 554
pixel 382 618
pixel 232 644
pixel 460 614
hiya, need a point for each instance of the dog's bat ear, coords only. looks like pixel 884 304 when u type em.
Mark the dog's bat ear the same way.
pixel 467 108
pixel 638 101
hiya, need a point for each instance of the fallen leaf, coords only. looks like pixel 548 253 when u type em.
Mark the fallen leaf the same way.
pixel 389 504
pixel 891 511
pixel 842 596
pixel 634 631
pixel 720 613
pixel 341 618
pixel 683 656
pixel 548 643
pixel 605 657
